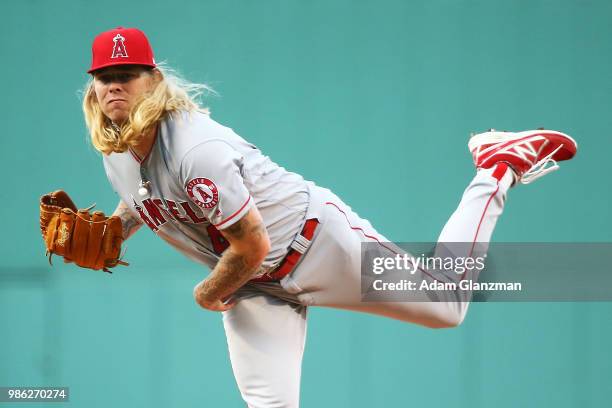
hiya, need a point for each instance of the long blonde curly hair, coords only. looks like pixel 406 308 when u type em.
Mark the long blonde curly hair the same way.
pixel 170 95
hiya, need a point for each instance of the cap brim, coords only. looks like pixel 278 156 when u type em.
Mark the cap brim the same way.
pixel 112 64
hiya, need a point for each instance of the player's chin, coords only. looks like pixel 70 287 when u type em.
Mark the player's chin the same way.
pixel 118 116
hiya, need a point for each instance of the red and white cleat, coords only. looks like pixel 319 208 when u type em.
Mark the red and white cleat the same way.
pixel 531 154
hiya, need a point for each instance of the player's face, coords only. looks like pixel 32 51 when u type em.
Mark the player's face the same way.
pixel 119 88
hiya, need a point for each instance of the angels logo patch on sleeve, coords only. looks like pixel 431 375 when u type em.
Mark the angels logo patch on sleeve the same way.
pixel 203 192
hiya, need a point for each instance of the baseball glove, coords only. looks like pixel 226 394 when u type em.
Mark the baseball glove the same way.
pixel 90 241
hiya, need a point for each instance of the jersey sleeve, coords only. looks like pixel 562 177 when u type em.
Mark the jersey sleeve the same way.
pixel 211 177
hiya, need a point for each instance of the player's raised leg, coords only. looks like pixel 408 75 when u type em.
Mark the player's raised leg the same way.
pixel 502 159
pixel 332 275
pixel 265 337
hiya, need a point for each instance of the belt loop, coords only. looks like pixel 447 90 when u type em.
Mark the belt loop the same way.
pixel 300 244
pixel 297 248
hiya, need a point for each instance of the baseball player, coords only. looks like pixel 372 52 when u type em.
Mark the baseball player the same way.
pixel 275 243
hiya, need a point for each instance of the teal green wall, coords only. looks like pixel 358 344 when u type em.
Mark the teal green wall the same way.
pixel 372 99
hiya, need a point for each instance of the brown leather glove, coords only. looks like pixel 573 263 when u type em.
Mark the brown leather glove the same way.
pixel 90 241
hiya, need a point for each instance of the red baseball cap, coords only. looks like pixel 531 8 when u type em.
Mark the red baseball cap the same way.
pixel 121 46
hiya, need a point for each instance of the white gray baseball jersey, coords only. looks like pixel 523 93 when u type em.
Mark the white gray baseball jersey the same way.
pixel 202 177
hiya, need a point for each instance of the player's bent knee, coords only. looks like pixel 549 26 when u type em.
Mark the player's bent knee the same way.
pixel 445 324
pixel 449 319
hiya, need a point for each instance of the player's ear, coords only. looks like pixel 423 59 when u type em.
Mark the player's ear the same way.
pixel 157 75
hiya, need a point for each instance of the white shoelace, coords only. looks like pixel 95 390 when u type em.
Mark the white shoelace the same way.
pixel 540 169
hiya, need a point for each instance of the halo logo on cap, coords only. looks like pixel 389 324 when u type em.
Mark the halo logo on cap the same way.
pixel 119 49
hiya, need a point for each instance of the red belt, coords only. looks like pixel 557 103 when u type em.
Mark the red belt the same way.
pixel 298 247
